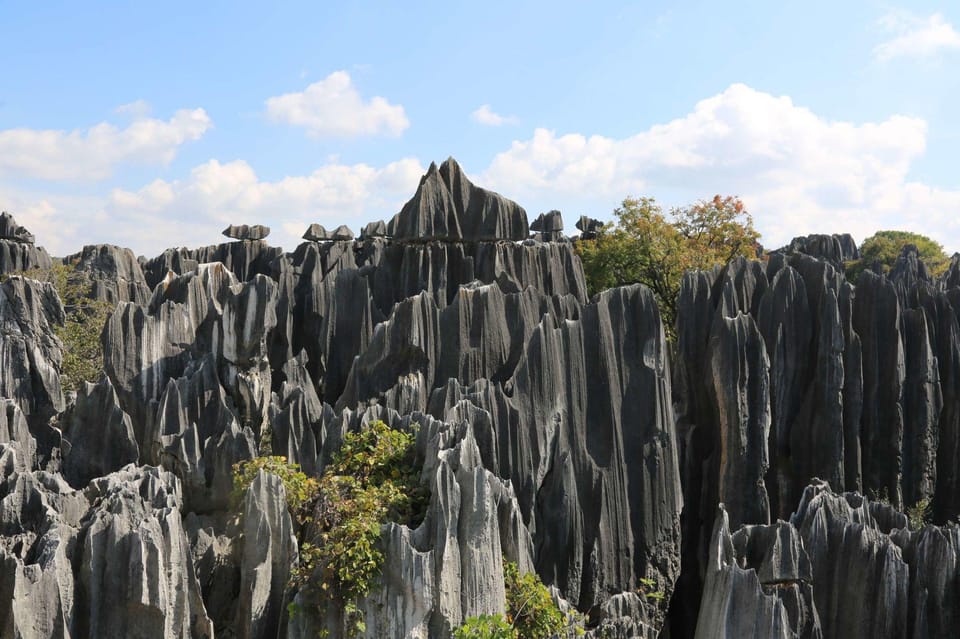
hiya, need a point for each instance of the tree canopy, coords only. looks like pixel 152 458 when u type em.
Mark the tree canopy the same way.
pixel 883 248
pixel 654 248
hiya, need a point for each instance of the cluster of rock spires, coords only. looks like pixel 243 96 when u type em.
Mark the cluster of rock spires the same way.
pixel 554 431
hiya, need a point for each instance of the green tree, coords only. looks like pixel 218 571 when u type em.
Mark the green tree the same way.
pixel 371 480
pixel 884 247
pixel 653 248
pixel 80 332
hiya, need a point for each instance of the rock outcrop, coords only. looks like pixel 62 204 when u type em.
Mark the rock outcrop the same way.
pixel 448 206
pixel 17 250
pixel 749 480
pixel 247 232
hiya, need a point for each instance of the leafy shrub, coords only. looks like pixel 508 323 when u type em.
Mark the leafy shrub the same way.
pixel 531 612
pixel 371 480
pixel 648 588
pixel 300 489
pixel 919 514
pixel 485 627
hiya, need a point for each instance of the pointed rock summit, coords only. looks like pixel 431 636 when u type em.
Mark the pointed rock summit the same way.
pixel 448 206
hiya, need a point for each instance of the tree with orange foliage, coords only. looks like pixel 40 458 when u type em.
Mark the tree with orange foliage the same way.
pixel 652 248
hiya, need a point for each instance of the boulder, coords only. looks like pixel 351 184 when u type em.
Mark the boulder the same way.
pixel 247 232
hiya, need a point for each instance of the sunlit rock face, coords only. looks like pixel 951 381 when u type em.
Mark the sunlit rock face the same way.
pixel 564 434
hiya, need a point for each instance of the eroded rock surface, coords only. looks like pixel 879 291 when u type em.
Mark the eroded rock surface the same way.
pixel 563 434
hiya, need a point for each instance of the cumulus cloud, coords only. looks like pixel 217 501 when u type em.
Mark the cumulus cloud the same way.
pixel 487 117
pixel 92 154
pixel 194 210
pixel 797 172
pixel 915 37
pixel 215 194
pixel 332 107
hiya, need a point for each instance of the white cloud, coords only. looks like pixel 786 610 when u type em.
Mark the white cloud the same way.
pixel 93 153
pixel 193 211
pixel 136 109
pixel 332 107
pixel 915 37
pixel 196 209
pixel 797 172
pixel 486 116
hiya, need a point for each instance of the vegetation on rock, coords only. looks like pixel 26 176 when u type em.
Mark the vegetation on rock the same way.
pixel 80 332
pixel 371 480
pixel 653 248
pixel 884 247
pixel 300 489
pixel 531 612
pixel 920 514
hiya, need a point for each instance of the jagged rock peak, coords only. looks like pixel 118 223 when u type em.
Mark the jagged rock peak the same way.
pixel 107 261
pixel 10 230
pixel 245 232
pixel 316 233
pixel 447 206
pixel 836 248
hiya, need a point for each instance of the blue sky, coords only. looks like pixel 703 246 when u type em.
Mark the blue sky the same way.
pixel 157 126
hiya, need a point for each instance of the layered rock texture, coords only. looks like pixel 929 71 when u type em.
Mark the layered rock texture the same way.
pixel 747 481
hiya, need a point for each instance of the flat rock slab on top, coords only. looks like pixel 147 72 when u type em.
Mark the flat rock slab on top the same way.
pixel 373 229
pixel 316 233
pixel 10 230
pixel 548 222
pixel 245 232
pixel 589 227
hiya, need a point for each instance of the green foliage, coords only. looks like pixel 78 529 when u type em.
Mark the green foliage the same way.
pixel 884 247
pixel 531 612
pixel 300 489
pixel 648 588
pixel 655 249
pixel 485 627
pixel 80 332
pixel 920 513
pixel 371 480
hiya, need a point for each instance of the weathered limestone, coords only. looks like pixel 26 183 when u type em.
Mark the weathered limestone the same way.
pixel 17 250
pixel 246 232
pixel 447 206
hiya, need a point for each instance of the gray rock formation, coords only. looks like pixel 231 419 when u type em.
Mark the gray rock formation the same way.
pixel 10 230
pixel 373 229
pixel 589 227
pixel 247 232
pixel 562 434
pixel 112 561
pixel 110 273
pixel 316 233
pixel 835 249
pixel 31 355
pixel 268 551
pixel 98 436
pixel 548 227
pixel 447 206
pixel 17 250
